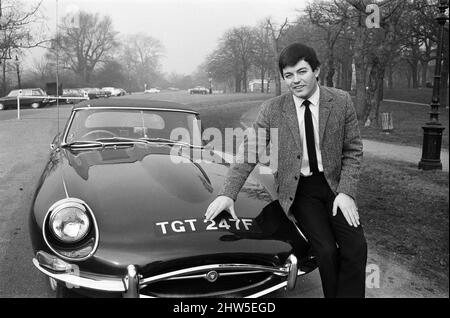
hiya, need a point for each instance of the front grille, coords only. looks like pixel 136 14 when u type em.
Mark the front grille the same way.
pixel 228 284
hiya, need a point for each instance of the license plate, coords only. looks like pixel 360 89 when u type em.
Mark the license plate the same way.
pixel 243 225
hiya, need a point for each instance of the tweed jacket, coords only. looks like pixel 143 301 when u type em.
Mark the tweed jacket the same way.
pixel 340 146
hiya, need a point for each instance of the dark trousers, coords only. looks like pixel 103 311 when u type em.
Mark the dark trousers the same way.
pixel 340 249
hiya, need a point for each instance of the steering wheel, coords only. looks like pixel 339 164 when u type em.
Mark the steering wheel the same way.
pixel 99 131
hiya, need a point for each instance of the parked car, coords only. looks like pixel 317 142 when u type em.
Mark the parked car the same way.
pixel 34 97
pixel 199 90
pixel 152 91
pixel 73 92
pixel 114 91
pixel 119 211
pixel 95 93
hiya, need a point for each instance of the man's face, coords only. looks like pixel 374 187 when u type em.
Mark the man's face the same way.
pixel 301 79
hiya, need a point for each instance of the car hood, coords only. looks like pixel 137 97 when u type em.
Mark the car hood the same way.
pixel 150 206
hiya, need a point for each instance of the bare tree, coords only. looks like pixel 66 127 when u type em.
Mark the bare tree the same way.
pixel 83 47
pixel 20 29
pixel 140 55
pixel 277 33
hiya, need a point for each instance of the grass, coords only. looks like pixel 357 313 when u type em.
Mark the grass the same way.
pixel 408 121
pixel 406 211
pixel 415 95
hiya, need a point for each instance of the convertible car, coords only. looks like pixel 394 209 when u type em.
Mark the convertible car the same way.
pixel 119 212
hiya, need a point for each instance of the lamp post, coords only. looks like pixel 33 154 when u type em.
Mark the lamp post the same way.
pixel 432 130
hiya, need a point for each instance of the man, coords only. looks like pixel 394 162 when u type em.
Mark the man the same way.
pixel 319 159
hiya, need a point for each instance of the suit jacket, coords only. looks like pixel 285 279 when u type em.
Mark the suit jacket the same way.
pixel 340 145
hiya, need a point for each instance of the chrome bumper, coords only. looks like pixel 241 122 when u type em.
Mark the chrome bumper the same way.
pixel 132 282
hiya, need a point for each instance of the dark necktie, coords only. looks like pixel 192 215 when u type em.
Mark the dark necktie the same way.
pixel 310 144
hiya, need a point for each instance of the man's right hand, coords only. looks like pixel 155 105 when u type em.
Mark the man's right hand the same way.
pixel 218 205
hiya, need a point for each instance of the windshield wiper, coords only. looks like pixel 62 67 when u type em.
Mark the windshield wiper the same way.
pixel 83 144
pixel 169 141
pixel 120 139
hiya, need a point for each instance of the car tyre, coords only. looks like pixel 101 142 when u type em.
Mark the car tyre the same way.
pixel 35 105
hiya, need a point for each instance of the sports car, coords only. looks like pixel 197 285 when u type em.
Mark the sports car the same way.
pixel 119 211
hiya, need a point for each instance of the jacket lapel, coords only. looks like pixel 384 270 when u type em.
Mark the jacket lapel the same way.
pixel 324 111
pixel 290 117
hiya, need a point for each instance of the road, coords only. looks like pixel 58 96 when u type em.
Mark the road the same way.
pixel 24 147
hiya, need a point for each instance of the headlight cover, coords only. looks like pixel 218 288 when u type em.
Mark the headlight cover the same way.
pixel 69 222
pixel 70 230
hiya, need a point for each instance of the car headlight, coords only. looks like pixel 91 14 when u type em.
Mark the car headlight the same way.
pixel 69 222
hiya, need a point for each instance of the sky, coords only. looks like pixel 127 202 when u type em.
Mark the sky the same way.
pixel 188 29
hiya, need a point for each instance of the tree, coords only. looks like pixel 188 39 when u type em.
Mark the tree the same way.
pixel 84 47
pixel 140 55
pixel 19 30
pixel 277 33
pixel 328 18
pixel 262 53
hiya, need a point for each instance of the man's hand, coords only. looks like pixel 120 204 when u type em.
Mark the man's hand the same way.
pixel 218 205
pixel 348 208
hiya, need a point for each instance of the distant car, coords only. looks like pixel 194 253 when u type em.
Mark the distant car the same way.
pixel 114 91
pixel 95 93
pixel 199 90
pixel 34 97
pixel 152 91
pixel 73 92
pixel 118 211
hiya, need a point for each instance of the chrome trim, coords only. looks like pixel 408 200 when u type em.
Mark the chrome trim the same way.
pixel 131 282
pixel 140 108
pixel 96 231
pixel 221 274
pixel 97 283
pixel 292 276
pixel 283 271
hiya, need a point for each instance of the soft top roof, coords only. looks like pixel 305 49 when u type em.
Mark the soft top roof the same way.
pixel 132 102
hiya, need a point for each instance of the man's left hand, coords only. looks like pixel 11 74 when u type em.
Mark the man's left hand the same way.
pixel 348 207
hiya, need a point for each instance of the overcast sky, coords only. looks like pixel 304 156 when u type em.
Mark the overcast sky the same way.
pixel 188 29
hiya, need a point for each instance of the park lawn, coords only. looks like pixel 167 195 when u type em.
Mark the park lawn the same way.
pixel 404 210
pixel 415 95
pixel 408 120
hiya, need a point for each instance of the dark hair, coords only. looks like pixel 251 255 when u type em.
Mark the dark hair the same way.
pixel 296 52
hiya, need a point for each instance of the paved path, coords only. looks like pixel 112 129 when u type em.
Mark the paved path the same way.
pixel 404 102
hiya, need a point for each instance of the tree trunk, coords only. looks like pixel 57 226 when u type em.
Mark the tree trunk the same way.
pixel 374 93
pixel 237 83
pixel 414 74
pixel 391 77
pixel 424 65
pixel 331 71
pixel 18 76
pixel 244 80
pixel 262 79
pixel 4 86
pixel 339 76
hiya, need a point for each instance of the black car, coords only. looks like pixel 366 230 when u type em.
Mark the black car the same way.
pixel 34 97
pixel 119 211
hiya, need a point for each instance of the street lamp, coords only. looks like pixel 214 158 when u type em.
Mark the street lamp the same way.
pixel 432 131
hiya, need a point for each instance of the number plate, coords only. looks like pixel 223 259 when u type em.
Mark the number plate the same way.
pixel 243 225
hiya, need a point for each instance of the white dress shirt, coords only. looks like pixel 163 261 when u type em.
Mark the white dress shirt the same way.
pixel 314 107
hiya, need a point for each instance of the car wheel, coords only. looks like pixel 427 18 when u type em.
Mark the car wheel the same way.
pixel 2 106
pixel 36 105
